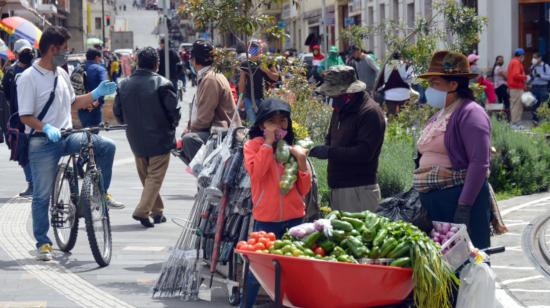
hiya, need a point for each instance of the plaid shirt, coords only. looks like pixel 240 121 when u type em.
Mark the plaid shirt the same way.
pixel 437 178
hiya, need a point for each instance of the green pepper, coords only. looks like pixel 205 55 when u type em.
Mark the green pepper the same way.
pixel 299 244
pixel 311 239
pixel 367 235
pixel 356 223
pixel 341 225
pixel 333 215
pixel 388 246
pixel 356 247
pixel 327 245
pixel 282 152
pixel 357 215
pixel 402 262
pixel 338 251
pixel 380 237
pixel 375 252
pixel 338 236
pixel 399 251
pixel 344 258
pixel 354 233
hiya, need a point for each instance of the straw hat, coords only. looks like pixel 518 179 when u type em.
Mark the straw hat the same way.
pixel 449 63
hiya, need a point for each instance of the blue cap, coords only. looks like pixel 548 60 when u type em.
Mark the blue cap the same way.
pixel 519 52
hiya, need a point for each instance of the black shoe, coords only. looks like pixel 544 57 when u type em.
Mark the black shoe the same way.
pixel 27 192
pixel 146 222
pixel 159 219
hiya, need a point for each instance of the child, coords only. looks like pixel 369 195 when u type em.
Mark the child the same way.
pixel 273 211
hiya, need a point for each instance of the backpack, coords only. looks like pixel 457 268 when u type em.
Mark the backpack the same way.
pixel 78 80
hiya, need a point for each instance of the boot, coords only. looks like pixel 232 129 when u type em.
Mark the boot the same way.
pixel 27 192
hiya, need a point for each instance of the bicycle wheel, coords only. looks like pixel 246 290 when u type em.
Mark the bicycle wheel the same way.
pixel 63 211
pixel 96 216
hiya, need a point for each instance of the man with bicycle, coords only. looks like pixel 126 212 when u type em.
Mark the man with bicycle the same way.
pixel 45 98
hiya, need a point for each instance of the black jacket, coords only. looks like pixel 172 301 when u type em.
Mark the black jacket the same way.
pixel 148 103
pixel 356 135
pixel 173 65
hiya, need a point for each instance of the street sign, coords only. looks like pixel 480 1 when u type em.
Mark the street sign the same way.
pixel 349 21
pixel 281 24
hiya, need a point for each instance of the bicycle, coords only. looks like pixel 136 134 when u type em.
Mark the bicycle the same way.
pixel 68 204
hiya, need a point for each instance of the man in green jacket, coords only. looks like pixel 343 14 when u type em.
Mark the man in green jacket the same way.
pixel 333 59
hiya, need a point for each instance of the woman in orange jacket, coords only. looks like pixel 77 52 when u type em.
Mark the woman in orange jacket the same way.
pixel 273 211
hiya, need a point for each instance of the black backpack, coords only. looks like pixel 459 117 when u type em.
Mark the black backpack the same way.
pixel 78 80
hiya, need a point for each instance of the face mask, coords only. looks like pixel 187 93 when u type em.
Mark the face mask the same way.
pixel 280 134
pixel 60 59
pixel 26 57
pixel 534 61
pixel 436 98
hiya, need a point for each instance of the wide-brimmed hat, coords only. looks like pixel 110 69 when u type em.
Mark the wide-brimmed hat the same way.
pixel 449 63
pixel 341 79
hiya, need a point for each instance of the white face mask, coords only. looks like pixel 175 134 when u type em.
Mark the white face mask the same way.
pixel 436 98
pixel 534 61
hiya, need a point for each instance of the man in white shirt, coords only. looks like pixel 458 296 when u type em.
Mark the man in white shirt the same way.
pixel 46 146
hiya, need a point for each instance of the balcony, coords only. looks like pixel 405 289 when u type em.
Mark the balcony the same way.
pixel 47 7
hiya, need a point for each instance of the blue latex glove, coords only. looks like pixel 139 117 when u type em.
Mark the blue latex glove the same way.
pixel 53 133
pixel 106 87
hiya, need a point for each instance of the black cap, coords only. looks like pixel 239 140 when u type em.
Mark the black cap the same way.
pixel 271 106
pixel 202 50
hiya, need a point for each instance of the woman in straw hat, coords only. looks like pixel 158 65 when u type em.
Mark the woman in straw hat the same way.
pixel 455 150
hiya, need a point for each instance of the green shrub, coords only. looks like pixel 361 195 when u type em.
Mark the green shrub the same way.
pixel 322 181
pixel 395 168
pixel 521 165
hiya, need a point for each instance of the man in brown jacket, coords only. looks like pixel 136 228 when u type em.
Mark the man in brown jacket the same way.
pixel 213 104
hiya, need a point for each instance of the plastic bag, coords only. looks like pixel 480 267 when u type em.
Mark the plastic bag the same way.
pixel 477 287
pixel 406 206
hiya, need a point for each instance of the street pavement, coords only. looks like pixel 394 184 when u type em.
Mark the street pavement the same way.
pixel 141 22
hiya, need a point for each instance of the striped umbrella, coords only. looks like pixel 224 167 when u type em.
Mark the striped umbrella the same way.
pixel 5 52
pixel 21 28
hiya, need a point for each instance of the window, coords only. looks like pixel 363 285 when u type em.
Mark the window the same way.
pixel 382 13
pixel 396 10
pixel 98 23
pixel 410 15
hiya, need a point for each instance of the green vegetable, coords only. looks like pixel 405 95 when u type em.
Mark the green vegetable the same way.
pixel 330 258
pixel 402 262
pixel 305 143
pixel 311 239
pixel 380 237
pixel 308 252
pixel 338 236
pixel 341 225
pixel 356 223
pixel 338 251
pixel 354 233
pixel 280 244
pixel 345 258
pixel 356 247
pixel 388 246
pixel 367 234
pixel 277 252
pixel 288 248
pixel 332 215
pixel 282 152
pixel 401 250
pixel 327 245
pixel 359 215
pixel 375 252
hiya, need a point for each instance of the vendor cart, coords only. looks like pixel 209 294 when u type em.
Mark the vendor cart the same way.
pixel 300 282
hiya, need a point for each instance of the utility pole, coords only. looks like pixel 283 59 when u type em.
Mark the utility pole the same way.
pixel 103 22
pixel 165 4
pixel 324 27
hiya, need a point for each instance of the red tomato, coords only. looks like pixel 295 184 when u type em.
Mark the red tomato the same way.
pixel 263 240
pixel 262 233
pixel 252 241
pixel 271 236
pixel 269 245
pixel 248 247
pixel 319 251
pixel 254 235
pixel 259 246
pixel 241 244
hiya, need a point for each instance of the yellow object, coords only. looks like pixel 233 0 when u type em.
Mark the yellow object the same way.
pixel 88 17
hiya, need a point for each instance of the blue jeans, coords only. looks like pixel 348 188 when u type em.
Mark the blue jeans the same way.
pixel 541 93
pixel 248 107
pixel 279 228
pixel 44 157
pixel 90 118
pixel 27 171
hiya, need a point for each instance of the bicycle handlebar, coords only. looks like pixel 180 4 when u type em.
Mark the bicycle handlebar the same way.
pixel 101 127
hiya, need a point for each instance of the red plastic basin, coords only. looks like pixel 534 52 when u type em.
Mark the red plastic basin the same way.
pixel 315 283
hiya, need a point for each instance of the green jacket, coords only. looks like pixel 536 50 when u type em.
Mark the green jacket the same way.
pixel 332 60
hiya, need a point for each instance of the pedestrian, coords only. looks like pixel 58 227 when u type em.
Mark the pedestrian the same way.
pixel 364 66
pixel 173 60
pixel 261 73
pixel 148 104
pixel 24 53
pixel 332 60
pixel 47 81
pixel 213 104
pixel 318 58
pixel 353 143
pixel 540 76
pixel 395 83
pixel 499 75
pixel 455 149
pixel 272 124
pixel 517 84
pixel 472 60
pixel 96 73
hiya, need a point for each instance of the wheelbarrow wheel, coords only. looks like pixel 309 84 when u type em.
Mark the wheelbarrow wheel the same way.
pixel 235 296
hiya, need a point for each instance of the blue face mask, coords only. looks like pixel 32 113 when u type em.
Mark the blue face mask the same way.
pixel 436 98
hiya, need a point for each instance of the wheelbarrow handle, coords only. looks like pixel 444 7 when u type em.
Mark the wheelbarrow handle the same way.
pixel 493 250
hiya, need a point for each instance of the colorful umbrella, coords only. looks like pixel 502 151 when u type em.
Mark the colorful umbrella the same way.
pixel 21 28
pixel 5 52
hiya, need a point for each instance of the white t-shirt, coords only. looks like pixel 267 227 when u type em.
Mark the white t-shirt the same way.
pixel 497 77
pixel 33 91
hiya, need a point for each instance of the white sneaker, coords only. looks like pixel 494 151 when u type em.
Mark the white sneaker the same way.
pixel 44 253
pixel 112 203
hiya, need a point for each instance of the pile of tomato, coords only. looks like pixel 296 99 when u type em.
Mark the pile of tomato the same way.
pixel 260 241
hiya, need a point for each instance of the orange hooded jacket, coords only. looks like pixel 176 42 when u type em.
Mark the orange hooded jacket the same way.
pixel 270 205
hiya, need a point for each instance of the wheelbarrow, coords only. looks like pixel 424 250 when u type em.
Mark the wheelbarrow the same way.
pixel 300 282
